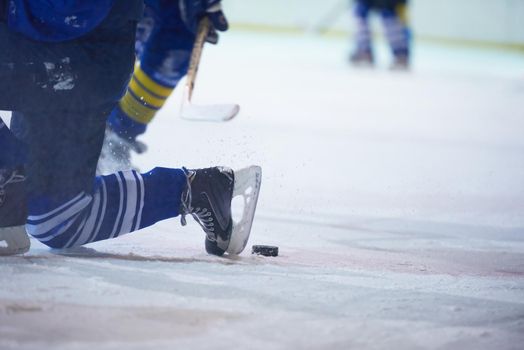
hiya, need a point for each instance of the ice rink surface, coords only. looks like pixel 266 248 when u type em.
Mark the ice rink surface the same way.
pixel 397 201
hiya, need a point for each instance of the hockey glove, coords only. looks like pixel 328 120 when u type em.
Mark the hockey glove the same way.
pixel 193 11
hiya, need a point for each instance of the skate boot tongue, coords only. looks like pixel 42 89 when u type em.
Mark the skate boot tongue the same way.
pixel 208 199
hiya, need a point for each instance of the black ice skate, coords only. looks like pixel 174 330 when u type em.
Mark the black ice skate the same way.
pixel 362 58
pixel 116 153
pixel 400 63
pixel 208 199
pixel 13 212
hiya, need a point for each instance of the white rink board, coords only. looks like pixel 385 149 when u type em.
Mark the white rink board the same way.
pixel 493 21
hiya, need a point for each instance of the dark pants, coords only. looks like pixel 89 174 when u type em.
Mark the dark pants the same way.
pixel 61 94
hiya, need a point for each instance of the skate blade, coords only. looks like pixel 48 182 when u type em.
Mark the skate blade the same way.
pixel 13 240
pixel 247 185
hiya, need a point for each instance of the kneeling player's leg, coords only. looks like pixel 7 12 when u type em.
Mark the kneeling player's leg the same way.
pixel 120 203
pixel 67 205
pixel 65 208
pixel 128 201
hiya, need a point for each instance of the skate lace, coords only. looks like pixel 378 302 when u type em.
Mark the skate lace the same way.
pixel 7 178
pixel 202 216
pixel 12 177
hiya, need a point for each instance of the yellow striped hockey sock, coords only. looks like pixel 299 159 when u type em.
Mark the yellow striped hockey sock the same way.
pixel 144 97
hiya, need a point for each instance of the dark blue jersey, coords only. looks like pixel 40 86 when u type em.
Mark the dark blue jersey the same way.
pixel 55 20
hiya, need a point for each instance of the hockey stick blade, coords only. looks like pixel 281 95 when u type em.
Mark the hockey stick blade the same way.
pixel 247 185
pixel 212 113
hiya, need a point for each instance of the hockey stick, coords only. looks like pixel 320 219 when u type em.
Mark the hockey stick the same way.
pixel 190 111
pixel 324 24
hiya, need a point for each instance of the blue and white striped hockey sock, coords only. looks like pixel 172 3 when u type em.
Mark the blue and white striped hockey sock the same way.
pixel 121 203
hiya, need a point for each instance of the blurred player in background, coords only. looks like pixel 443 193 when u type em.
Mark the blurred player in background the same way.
pixel 394 18
pixel 163 48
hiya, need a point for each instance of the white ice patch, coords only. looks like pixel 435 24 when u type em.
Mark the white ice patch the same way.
pixel 60 77
pixel 72 21
pixel 67 84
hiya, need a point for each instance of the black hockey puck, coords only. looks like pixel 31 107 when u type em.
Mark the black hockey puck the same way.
pixel 265 250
